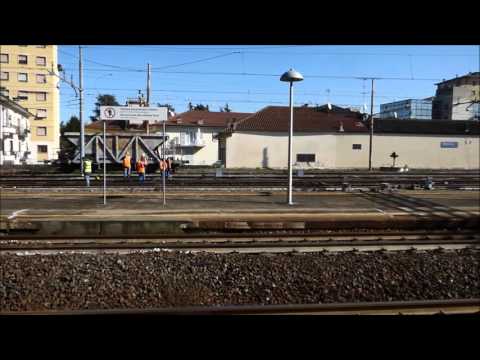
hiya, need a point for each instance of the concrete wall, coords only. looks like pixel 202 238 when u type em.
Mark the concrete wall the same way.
pixel 270 149
pixel 252 150
pixel 463 97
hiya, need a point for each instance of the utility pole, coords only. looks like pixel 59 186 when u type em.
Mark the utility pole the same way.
pixel 80 90
pixel 148 83
pixel 148 92
pixel 371 127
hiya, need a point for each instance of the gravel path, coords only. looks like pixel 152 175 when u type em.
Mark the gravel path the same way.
pixel 159 279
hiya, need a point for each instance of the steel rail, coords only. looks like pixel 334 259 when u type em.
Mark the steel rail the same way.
pixel 259 244
pixel 451 306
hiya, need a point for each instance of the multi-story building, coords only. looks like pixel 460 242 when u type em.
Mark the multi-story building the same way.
pixel 15 148
pixel 458 98
pixel 25 77
pixel 419 109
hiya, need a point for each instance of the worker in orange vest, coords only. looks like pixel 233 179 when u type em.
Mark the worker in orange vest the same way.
pixel 127 166
pixel 163 166
pixel 141 171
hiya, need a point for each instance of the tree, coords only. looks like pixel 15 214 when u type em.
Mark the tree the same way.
pixel 170 107
pixel 103 100
pixel 72 125
pixel 226 108
pixel 200 107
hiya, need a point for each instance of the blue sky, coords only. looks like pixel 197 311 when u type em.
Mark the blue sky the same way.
pixel 120 70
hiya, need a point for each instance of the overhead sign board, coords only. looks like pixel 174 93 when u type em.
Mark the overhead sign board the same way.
pixel 134 114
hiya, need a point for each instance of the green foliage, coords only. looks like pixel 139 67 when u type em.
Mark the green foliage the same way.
pixel 226 108
pixel 170 107
pixel 72 125
pixel 103 100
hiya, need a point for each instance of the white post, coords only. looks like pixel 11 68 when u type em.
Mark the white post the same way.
pixel 163 173
pixel 290 148
pixel 104 163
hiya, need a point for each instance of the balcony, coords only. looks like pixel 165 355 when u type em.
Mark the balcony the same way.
pixel 10 130
pixel 196 143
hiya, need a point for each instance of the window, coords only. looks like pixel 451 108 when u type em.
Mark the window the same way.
pixel 4 58
pixel 41 113
pixel 305 157
pixel 42 148
pixel 41 46
pixel 4 75
pixel 41 79
pixel 23 45
pixel 23 77
pixel 41 61
pixel 23 95
pixel 357 146
pixel 41 131
pixel 4 92
pixel 41 96
pixel 23 59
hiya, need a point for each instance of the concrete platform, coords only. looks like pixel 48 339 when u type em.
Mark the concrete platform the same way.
pixel 230 210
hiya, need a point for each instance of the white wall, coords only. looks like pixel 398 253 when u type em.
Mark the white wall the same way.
pixel 270 149
pixel 15 147
pixel 335 150
pixel 204 155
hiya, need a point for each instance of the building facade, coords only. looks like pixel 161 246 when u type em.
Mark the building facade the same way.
pixel 15 147
pixel 25 77
pixel 191 137
pixel 420 109
pixel 458 98
pixel 341 141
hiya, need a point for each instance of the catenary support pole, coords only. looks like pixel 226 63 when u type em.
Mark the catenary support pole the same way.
pixel 163 172
pixel 371 128
pixel 149 70
pixel 290 148
pixel 80 91
pixel 104 162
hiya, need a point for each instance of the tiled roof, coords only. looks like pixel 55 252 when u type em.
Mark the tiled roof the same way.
pixel 204 118
pixel 305 119
pixel 97 126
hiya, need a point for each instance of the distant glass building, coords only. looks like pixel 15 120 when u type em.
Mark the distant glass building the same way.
pixel 420 109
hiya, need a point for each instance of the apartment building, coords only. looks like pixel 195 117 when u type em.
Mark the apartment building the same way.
pixel 26 78
pixel 14 134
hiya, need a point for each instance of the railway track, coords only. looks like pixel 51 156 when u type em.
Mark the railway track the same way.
pixel 246 243
pixel 451 180
pixel 428 307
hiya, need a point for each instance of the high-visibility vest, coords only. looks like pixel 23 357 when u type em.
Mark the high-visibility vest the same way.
pixel 126 162
pixel 140 167
pixel 87 167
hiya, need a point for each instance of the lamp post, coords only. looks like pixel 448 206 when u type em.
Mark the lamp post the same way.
pixel 290 76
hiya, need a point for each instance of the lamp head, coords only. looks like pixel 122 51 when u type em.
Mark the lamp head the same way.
pixel 291 76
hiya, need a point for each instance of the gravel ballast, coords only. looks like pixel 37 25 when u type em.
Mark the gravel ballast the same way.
pixel 166 279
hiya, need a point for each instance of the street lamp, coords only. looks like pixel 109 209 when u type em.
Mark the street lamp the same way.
pixel 290 76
